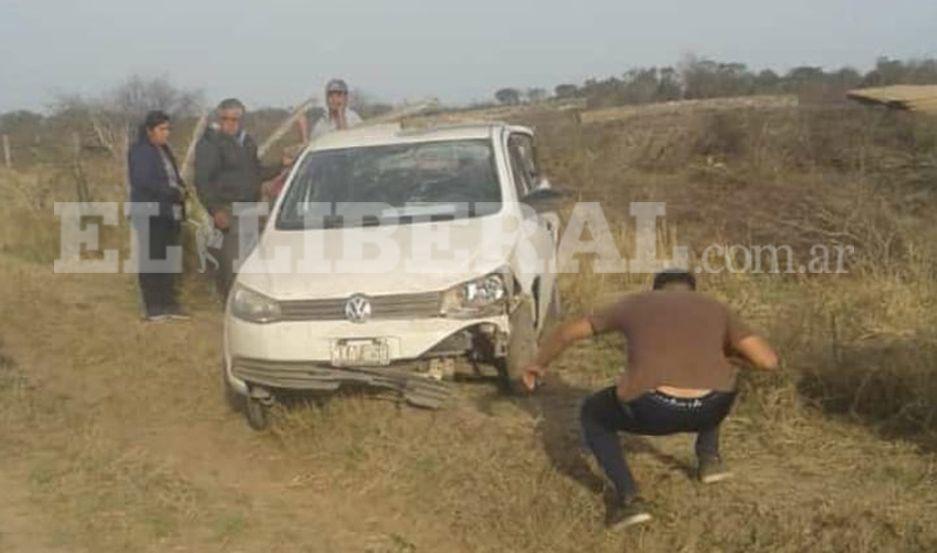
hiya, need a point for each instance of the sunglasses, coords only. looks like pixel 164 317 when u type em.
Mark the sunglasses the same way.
pixel 228 118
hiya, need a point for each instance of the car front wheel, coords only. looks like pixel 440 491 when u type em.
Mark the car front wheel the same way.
pixel 522 348
pixel 257 414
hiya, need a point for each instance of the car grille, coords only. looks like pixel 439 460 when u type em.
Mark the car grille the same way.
pixel 391 306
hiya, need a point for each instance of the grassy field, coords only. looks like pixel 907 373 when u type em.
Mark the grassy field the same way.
pixel 114 435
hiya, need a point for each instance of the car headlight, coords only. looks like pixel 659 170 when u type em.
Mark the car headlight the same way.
pixel 253 306
pixel 481 297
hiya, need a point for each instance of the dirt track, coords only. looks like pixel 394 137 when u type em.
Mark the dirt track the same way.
pixel 115 438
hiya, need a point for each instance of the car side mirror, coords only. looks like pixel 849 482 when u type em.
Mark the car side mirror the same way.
pixel 544 197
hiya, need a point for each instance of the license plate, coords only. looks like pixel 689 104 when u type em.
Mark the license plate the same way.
pixel 351 353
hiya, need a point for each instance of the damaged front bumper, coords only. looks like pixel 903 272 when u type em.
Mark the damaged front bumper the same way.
pixel 295 355
pixel 422 389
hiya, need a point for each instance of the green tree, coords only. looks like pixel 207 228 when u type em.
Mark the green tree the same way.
pixel 508 96
pixel 565 91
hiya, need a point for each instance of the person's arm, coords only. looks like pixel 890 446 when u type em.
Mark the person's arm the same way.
pixel 303 124
pixel 207 166
pixel 751 347
pixel 564 336
pixel 143 176
pixel 756 350
pixel 268 172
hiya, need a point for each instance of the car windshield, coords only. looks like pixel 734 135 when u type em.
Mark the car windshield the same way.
pixel 392 184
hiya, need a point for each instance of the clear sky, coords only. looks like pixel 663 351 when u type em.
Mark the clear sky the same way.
pixel 275 52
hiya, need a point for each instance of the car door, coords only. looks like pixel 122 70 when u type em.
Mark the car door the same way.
pixel 541 228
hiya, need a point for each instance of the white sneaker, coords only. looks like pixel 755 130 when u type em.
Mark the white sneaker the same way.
pixel 162 317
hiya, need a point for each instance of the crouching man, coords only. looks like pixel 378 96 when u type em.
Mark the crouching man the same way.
pixel 678 379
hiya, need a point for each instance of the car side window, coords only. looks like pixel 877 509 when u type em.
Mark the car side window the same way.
pixel 523 163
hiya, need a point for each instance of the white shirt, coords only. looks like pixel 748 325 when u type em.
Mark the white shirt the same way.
pixel 326 125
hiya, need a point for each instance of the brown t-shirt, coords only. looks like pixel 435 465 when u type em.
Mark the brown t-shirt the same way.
pixel 675 338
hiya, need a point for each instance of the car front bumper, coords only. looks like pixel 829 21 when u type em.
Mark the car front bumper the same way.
pixel 297 355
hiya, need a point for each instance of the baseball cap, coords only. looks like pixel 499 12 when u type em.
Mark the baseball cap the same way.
pixel 336 85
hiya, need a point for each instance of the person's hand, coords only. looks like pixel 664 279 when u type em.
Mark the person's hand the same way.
pixel 533 373
pixel 266 190
pixel 222 219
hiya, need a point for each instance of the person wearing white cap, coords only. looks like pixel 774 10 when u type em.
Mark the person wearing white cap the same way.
pixel 338 115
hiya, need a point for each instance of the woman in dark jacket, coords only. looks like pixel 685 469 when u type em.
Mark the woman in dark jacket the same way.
pixel 155 179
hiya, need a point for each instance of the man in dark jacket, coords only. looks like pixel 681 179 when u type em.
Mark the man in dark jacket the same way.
pixel 227 170
pixel 154 178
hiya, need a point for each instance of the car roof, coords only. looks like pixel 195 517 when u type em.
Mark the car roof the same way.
pixel 393 133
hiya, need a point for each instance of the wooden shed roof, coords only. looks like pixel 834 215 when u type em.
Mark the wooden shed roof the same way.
pixel 921 98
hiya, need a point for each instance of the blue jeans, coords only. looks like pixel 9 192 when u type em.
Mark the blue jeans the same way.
pixel 603 416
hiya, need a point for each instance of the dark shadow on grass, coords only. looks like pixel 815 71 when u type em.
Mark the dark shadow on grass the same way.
pixel 889 387
pixel 555 407
pixel 292 399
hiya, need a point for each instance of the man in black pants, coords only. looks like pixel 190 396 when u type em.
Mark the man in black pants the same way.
pixel 679 378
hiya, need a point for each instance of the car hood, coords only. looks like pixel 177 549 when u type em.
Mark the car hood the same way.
pixel 467 248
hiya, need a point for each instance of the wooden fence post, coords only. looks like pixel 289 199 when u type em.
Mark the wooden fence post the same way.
pixel 6 152
pixel 81 182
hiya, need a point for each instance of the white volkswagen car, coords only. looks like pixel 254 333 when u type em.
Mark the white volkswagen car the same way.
pixel 392 257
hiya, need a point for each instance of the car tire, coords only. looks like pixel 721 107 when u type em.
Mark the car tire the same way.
pixel 257 414
pixel 522 348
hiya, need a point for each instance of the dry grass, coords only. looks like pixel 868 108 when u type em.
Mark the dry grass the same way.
pixel 862 343
pixel 114 436
pixel 606 115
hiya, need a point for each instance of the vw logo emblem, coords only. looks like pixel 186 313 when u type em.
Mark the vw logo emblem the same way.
pixel 358 309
